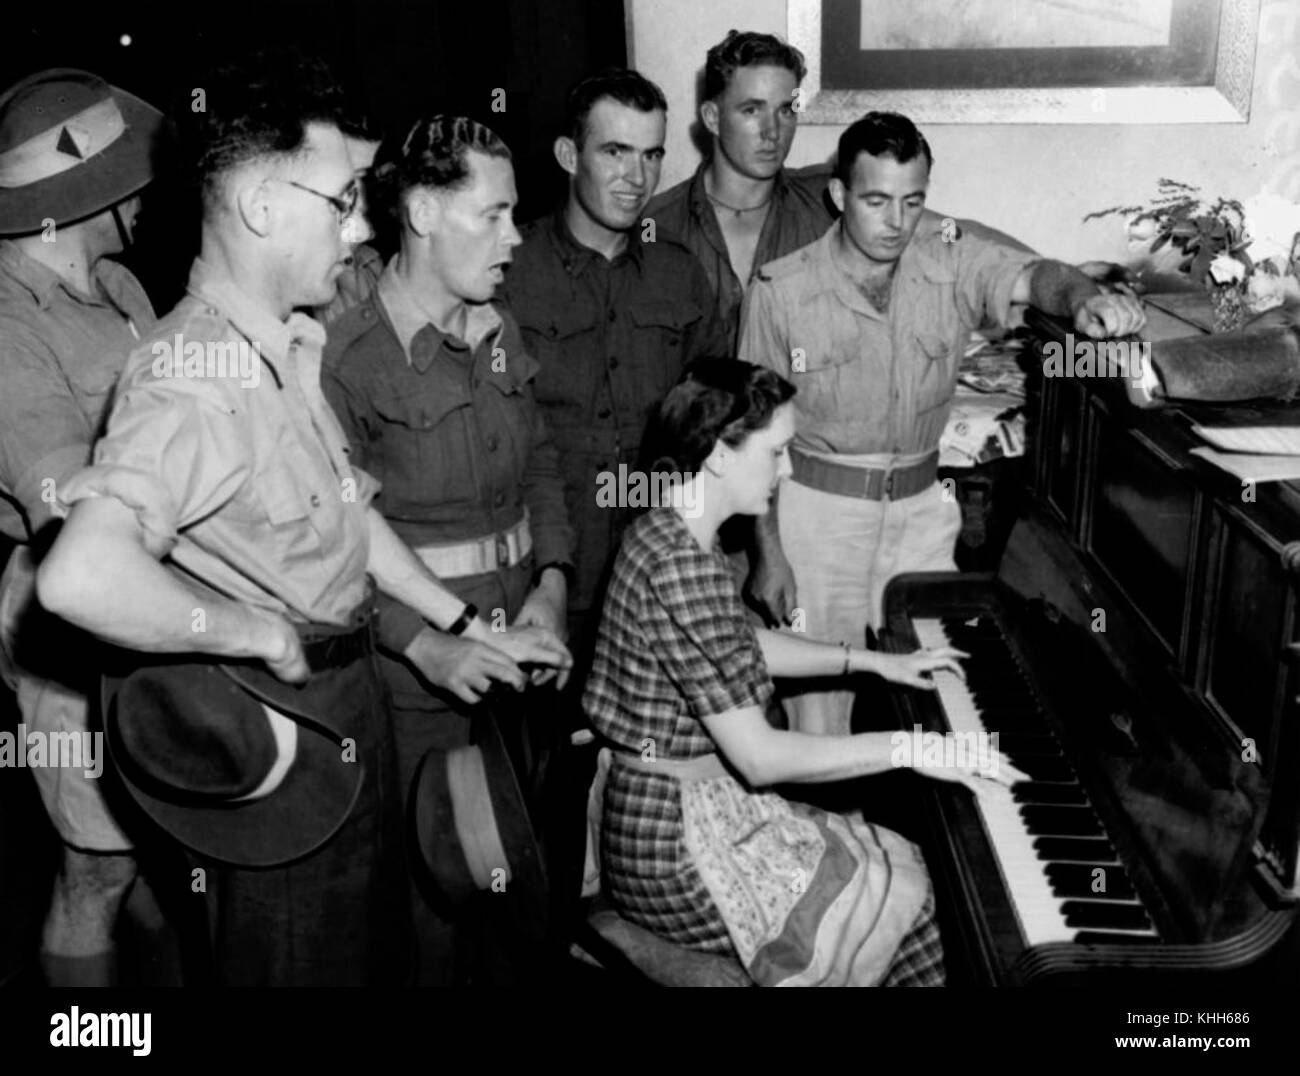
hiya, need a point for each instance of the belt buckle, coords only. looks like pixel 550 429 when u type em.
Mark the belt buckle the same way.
pixel 503 551
pixel 888 488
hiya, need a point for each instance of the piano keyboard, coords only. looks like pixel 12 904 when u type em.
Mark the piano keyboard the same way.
pixel 1048 840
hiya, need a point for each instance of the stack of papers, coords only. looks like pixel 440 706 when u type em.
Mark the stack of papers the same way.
pixel 1252 468
pixel 1258 440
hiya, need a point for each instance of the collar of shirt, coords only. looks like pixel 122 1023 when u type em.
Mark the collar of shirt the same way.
pixel 577 257
pixel 916 262
pixel 408 318
pixel 43 284
pixel 702 207
pixel 293 344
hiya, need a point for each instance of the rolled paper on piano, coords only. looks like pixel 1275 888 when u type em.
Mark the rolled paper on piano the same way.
pixel 1228 367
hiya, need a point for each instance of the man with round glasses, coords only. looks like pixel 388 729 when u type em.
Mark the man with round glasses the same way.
pixel 223 518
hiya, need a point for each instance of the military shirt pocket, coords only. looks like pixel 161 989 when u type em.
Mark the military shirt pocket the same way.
pixel 661 329
pixel 285 501
pixel 424 449
pixel 559 348
pixel 940 340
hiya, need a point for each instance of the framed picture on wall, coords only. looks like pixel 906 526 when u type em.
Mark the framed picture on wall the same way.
pixel 1028 61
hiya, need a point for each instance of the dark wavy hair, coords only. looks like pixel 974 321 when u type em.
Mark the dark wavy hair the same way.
pixel 432 153
pixel 716 399
pixel 882 134
pixel 748 49
pixel 257 107
pixel 621 84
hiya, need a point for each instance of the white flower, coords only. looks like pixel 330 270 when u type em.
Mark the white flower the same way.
pixel 1272 222
pixel 1140 231
pixel 1225 269
pixel 1263 292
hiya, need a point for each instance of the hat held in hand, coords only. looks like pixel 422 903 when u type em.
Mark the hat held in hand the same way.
pixel 470 827
pixel 221 759
pixel 71 146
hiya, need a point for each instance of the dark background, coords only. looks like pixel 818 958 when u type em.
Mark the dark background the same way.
pixel 397 59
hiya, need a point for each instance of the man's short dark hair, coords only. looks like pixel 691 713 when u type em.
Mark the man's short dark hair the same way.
pixel 259 107
pixel 432 153
pixel 748 49
pixel 620 84
pixel 882 134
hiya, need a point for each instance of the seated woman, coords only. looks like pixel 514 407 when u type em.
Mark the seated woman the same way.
pixel 690 849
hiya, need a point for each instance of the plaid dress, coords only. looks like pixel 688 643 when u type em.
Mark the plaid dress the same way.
pixel 675 646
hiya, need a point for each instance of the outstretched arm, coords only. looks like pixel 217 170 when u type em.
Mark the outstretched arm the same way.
pixel 1060 289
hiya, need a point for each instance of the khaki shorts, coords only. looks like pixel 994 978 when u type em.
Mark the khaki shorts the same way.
pixel 72 758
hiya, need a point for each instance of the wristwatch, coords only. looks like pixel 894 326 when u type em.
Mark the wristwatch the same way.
pixel 466 618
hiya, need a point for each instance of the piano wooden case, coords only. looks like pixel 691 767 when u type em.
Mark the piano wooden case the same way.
pixel 1135 654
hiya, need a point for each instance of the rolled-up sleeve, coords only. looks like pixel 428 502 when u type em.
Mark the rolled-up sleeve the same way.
pixel 986 275
pixel 172 457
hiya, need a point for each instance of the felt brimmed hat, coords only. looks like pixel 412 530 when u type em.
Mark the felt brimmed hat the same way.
pixel 227 760
pixel 71 145
pixel 469 826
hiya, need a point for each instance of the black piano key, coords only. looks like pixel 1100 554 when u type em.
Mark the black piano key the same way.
pixel 1074 850
pixel 1100 937
pixel 1010 722
pixel 1028 744
pixel 1043 767
pixel 1082 880
pixel 1042 792
pixel 1104 915
pixel 1061 821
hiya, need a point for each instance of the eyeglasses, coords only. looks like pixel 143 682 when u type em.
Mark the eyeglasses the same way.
pixel 344 205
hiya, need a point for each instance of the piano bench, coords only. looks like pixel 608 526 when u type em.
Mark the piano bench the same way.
pixel 635 954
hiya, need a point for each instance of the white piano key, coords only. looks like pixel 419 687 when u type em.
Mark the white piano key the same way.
pixel 1024 874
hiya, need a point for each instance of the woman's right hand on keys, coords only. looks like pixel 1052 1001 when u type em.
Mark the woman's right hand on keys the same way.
pixel 948 757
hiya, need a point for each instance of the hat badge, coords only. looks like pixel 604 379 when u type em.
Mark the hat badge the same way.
pixel 74 140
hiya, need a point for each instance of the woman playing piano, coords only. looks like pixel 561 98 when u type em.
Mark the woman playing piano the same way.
pixel 691 848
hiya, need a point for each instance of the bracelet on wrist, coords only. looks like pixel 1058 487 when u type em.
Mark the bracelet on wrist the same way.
pixel 466 618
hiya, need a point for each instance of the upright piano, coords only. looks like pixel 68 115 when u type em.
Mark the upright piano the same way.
pixel 1135 656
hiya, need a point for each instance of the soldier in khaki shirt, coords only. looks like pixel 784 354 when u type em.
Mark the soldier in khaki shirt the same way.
pixel 74 153
pixel 230 493
pixel 870 322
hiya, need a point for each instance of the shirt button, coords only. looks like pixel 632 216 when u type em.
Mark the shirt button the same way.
pixel 493 443
pixel 366 313
pixel 499 500
pixel 315 500
pixel 613 314
pixel 613 362
pixel 604 412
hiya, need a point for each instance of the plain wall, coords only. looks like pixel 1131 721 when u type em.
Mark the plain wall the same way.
pixel 1034 181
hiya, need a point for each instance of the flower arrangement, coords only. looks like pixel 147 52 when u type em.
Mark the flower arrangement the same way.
pixel 1216 242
